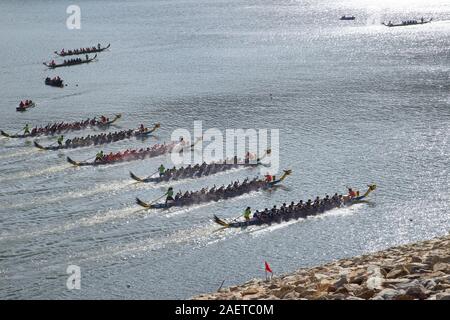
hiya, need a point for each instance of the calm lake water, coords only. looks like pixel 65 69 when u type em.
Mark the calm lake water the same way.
pixel 356 103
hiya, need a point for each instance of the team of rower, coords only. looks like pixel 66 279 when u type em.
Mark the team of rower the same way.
pixel 102 138
pixel 80 51
pixel 99 138
pixel 301 208
pixel 200 169
pixel 233 189
pixel 55 80
pixel 70 61
pixel 155 150
pixel 25 103
pixel 408 22
pixel 63 126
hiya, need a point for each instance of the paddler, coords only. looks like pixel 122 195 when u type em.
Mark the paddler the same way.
pixel 268 178
pixel 247 213
pixel 99 156
pixel 26 129
pixel 161 170
pixel 169 195
pixel 60 140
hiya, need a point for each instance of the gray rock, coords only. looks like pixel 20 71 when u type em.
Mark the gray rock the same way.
pixel 443 296
pixel 429 284
pixel 388 294
pixel 414 289
pixel 339 283
pixel 441 266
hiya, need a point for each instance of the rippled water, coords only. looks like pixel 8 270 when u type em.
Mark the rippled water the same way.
pixel 355 103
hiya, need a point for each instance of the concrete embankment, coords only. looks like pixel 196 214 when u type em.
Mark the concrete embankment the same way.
pixel 414 271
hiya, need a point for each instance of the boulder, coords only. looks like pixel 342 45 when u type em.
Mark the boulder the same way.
pixel 336 296
pixel 338 284
pixel 404 297
pixel 320 276
pixel 418 292
pixel 272 286
pixel 324 285
pixel 441 266
pixel 388 294
pixel 357 277
pixel 397 272
pixel 391 283
pixel 375 283
pixel 352 287
pixel 249 291
pixel 347 263
pixel 292 295
pixel 443 296
pixel 415 267
pixel 353 298
pixel 433 259
pixel 308 294
pixel 414 289
pixel 365 293
pixel 429 284
pixel 284 289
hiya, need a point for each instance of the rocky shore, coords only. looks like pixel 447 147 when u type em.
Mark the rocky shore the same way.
pixel 414 271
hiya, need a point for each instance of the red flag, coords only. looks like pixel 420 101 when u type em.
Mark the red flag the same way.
pixel 267 267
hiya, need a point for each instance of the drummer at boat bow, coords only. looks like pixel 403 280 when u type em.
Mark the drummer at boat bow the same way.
pixel 269 177
pixel 26 129
pixel 352 193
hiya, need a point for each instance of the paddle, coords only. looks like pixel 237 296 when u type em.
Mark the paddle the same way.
pixel 15 134
pixel 153 174
pixel 52 144
pixel 89 159
pixel 232 220
pixel 156 199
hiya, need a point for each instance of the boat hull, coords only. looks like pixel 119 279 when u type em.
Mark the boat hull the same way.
pixel 70 64
pixel 406 24
pixel 194 175
pixel 51 133
pixel 302 215
pixel 80 53
pixel 212 198
pixel 25 108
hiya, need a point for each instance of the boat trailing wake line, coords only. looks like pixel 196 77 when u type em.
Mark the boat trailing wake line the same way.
pixel 113 186
pixel 98 218
pixel 18 154
pixel 198 235
pixel 31 174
